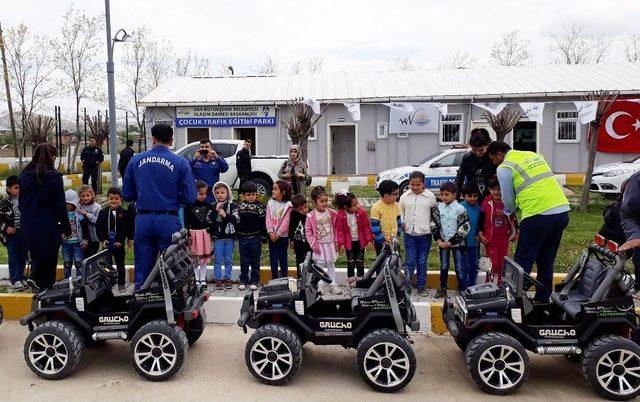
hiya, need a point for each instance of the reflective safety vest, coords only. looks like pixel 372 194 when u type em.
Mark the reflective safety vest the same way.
pixel 536 187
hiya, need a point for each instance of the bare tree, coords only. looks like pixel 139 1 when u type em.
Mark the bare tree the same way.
pixel 632 48
pixel 30 67
pixel 133 75
pixel 159 60
pixel 573 45
pixel 268 66
pixel 458 59
pixel 100 131
pixel 503 122
pixel 605 100
pixel 7 87
pixel 225 69
pixel 37 129
pixel 296 67
pixel 511 50
pixel 300 123
pixel 74 53
pixel 191 65
pixel 314 65
pixel 403 63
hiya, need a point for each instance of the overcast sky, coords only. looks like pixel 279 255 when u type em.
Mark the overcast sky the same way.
pixel 350 35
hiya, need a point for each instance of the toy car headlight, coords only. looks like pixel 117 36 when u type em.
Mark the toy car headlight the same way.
pixel 616 172
pixel 460 308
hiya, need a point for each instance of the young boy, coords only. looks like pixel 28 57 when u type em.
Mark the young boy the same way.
pixel 252 231
pixel 113 227
pixel 224 220
pixel 11 236
pixel 470 194
pixel 496 229
pixel 297 234
pixel 73 244
pixel 385 215
pixel 415 209
pixel 450 226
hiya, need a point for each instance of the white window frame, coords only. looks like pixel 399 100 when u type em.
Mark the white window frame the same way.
pixel 402 135
pixel 450 123
pixel 572 119
pixel 385 131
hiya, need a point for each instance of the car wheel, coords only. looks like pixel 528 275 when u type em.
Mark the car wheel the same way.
pixel 274 354
pixel 611 364
pixel 196 327
pixel 264 187
pixel 404 187
pixel 385 360
pixel 52 350
pixel 497 363
pixel 158 350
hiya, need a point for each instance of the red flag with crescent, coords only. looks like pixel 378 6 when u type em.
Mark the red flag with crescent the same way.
pixel 620 128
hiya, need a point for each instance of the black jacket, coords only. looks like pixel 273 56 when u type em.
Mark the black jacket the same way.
pixel 297 227
pixel 91 157
pixel 123 224
pixel 252 222
pixel 7 218
pixel 243 162
pixel 198 216
pixel 224 228
pixel 630 208
pixel 475 170
pixel 612 228
pixel 125 157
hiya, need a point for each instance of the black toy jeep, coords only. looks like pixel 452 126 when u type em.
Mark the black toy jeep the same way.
pixel 373 318
pixel 591 319
pixel 160 320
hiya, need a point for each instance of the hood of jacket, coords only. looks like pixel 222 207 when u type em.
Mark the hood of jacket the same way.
pixel 229 194
pixel 71 197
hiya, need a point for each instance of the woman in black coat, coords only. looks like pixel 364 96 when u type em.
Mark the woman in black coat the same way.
pixel 43 214
pixel 476 167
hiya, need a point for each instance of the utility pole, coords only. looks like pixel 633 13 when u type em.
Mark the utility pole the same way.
pixel 16 152
pixel 113 140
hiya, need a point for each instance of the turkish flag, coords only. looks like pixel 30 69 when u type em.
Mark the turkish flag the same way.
pixel 620 128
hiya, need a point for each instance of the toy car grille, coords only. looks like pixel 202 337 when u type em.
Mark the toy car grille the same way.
pixel 180 259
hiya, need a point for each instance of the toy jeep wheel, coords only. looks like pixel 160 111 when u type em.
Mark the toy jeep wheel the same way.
pixel 195 327
pixel 274 354
pixel 611 364
pixel 158 350
pixel 497 362
pixel 52 350
pixel 385 360
pixel 462 342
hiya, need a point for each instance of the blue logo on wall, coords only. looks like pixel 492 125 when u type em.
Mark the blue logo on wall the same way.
pixel 265 110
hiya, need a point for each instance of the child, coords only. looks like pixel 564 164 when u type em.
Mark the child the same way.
pixel 450 226
pixel 196 219
pixel 113 227
pixel 320 235
pixel 89 209
pixel 11 236
pixel 224 218
pixel 415 207
pixel 278 217
pixel 251 229
pixel 495 228
pixel 470 193
pixel 73 244
pixel 297 235
pixel 385 214
pixel 353 231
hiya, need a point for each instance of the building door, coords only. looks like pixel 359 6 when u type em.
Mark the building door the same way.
pixel 343 149
pixel 246 133
pixel 196 134
pixel 525 136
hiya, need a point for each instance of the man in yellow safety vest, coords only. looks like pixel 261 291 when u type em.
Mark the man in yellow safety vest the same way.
pixel 528 184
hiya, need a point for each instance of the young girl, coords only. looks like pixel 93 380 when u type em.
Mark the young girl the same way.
pixel 278 216
pixel 196 219
pixel 495 229
pixel 319 230
pixel 353 231
pixel 89 209
pixel 224 220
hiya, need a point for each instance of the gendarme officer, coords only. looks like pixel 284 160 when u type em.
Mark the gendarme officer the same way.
pixel 159 182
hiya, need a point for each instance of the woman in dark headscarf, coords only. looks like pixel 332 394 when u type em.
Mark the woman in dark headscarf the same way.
pixel 43 214
pixel 295 171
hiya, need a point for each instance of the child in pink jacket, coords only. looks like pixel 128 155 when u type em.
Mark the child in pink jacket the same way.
pixel 278 215
pixel 353 231
pixel 320 234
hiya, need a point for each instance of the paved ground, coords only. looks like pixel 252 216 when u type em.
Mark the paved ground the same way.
pixel 215 369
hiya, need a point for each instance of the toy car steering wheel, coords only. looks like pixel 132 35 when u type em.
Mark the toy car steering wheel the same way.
pixel 107 269
pixel 536 283
pixel 319 272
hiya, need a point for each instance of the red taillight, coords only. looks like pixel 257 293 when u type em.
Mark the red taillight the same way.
pixel 206 296
pixel 180 321
pixel 600 240
pixel 194 314
pixel 612 246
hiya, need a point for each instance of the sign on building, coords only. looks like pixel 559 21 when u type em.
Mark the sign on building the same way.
pixel 226 116
pixel 423 119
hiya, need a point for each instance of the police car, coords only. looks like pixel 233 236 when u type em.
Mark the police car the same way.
pixel 608 178
pixel 438 168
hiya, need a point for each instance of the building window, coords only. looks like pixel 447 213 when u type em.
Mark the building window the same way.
pixel 382 131
pixel 451 129
pixel 567 127
pixel 402 135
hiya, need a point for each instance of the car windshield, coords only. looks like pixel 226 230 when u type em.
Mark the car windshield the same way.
pixel 633 160
pixel 428 158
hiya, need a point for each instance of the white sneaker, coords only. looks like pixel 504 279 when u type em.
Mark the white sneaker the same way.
pixel 242 286
pixel 253 287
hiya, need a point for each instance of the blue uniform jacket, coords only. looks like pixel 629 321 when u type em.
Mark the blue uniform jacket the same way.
pixel 159 180
pixel 208 171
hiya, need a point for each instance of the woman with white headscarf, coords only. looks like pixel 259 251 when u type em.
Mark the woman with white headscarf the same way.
pixel 294 170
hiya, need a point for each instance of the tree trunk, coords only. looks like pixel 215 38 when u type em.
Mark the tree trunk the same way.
pixel 8 89
pixel 72 159
pixel 593 146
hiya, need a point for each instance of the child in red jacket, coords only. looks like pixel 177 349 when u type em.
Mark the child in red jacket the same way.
pixel 353 231
pixel 496 229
